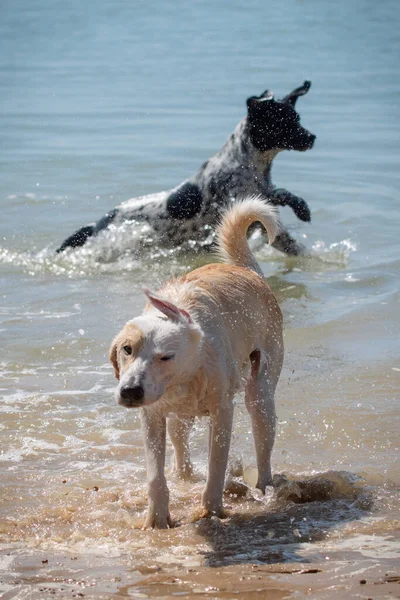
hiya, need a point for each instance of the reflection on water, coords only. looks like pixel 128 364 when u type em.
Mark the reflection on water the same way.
pixel 284 288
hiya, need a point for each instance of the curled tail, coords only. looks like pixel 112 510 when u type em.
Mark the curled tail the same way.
pixel 232 232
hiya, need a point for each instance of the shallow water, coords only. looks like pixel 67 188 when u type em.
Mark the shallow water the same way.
pixel 104 101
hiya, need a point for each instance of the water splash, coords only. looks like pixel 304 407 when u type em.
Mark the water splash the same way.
pixel 132 246
pixel 337 252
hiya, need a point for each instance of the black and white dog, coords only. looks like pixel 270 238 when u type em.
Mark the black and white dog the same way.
pixel 241 168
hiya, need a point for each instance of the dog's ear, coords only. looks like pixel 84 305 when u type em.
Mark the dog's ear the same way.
pixel 169 309
pixel 113 358
pixel 256 101
pixel 300 91
pixel 267 95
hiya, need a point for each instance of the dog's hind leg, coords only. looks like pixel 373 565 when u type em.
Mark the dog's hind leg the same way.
pixel 77 239
pixel 220 438
pixel 259 398
pixel 179 431
pixel 80 237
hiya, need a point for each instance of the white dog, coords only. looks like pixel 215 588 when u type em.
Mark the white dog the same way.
pixel 199 339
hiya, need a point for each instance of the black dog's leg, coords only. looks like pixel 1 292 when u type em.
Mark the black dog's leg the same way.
pixel 298 205
pixel 285 243
pixel 79 237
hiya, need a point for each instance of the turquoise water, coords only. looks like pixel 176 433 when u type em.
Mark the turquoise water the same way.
pixel 103 101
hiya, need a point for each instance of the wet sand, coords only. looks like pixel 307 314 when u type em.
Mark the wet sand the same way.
pixel 49 576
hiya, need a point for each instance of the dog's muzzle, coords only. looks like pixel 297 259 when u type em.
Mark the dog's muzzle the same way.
pixel 307 141
pixel 131 397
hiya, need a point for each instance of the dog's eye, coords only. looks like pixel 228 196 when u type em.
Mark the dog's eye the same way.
pixel 167 357
pixel 127 349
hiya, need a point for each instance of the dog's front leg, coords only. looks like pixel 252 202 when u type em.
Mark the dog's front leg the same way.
pixel 284 242
pixel 154 436
pixel 220 438
pixel 298 205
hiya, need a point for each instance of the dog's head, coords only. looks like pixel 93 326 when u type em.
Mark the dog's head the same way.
pixel 275 124
pixel 153 352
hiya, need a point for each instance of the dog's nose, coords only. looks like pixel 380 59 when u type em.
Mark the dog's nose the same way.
pixel 312 139
pixel 307 141
pixel 132 394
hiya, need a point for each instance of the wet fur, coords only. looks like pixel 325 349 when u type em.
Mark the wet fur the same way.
pixel 241 168
pixel 188 354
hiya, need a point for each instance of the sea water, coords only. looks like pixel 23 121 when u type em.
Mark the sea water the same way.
pixel 104 101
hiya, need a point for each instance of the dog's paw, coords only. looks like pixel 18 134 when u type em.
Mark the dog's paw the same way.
pixel 157 521
pixel 205 513
pixel 186 473
pixel 301 209
pixel 298 205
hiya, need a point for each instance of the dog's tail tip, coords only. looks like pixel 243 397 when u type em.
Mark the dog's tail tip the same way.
pixel 232 231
